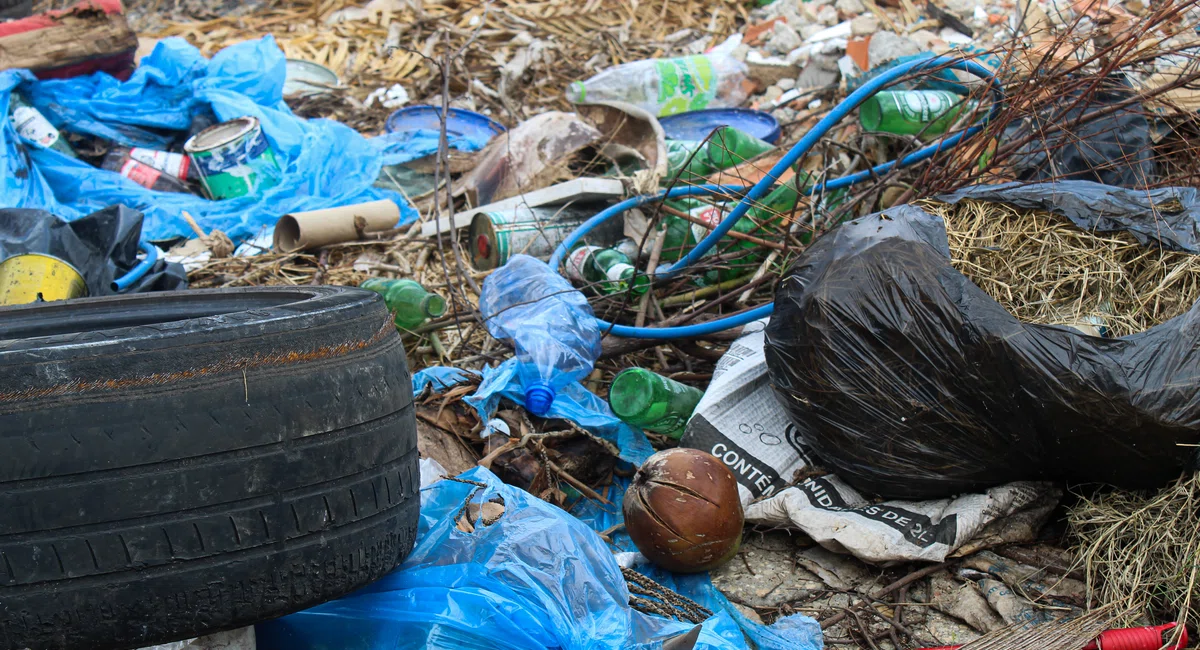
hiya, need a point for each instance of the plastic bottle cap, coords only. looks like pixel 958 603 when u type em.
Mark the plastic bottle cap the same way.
pixel 580 89
pixel 538 398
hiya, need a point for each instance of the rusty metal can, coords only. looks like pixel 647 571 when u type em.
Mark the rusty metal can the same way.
pixel 497 236
pixel 34 277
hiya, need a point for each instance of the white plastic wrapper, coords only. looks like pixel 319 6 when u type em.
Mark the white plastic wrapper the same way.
pixel 431 472
pixel 740 422
pixel 239 639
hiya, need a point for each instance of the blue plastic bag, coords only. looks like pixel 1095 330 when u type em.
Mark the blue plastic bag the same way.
pixel 535 578
pixel 573 402
pixel 324 163
pixel 440 377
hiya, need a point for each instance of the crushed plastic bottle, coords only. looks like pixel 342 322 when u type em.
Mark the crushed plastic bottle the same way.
pixel 547 321
pixel 668 86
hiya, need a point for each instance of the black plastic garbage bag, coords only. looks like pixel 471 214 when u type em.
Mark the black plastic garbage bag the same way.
pixel 1093 145
pixel 102 246
pixel 910 382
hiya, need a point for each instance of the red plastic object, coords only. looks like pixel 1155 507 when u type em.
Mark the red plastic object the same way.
pixel 1137 638
pixel 119 65
pixel 1131 638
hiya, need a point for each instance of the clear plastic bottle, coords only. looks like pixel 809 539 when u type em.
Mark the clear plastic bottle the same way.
pixel 408 300
pixel 668 86
pixel 653 402
pixel 606 269
pixel 547 321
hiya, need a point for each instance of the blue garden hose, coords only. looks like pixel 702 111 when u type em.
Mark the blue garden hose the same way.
pixel 762 187
pixel 138 272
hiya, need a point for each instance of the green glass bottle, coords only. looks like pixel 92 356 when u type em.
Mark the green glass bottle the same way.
pixel 605 269
pixel 653 402
pixel 928 113
pixel 33 127
pixel 727 147
pixel 408 300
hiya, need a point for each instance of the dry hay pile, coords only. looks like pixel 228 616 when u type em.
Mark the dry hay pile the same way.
pixel 1044 269
pixel 1143 551
pixel 510 58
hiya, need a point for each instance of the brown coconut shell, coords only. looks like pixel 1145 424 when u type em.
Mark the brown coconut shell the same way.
pixel 683 512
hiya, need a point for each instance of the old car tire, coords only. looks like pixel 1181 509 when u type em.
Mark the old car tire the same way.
pixel 178 463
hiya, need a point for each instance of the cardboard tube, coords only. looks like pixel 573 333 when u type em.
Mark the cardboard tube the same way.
pixel 304 230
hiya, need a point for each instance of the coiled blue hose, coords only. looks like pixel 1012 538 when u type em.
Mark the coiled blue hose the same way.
pixel 762 187
pixel 138 272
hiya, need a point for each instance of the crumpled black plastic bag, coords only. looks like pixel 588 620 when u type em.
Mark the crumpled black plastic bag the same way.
pixel 1114 148
pixel 910 382
pixel 102 246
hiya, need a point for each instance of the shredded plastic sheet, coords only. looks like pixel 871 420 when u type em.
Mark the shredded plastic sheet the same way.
pixel 440 377
pixel 534 578
pixel 324 163
pixel 910 382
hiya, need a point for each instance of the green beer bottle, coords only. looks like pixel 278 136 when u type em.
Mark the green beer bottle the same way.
pixel 727 147
pixel 408 300
pixel 653 402
pixel 607 270
pixel 928 113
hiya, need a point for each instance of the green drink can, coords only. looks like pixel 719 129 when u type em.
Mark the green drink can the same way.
pixel 233 159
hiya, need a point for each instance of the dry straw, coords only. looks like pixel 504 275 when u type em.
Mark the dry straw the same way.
pixel 1044 269
pixel 1143 551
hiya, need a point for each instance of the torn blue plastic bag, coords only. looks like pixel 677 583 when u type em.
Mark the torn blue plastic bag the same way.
pixel 323 163
pixel 534 578
pixel 440 377
pixel 573 402
pixel 406 146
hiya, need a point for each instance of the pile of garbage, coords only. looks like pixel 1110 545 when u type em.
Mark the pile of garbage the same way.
pixel 778 327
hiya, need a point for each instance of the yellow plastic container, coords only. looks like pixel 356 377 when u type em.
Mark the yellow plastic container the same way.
pixel 34 277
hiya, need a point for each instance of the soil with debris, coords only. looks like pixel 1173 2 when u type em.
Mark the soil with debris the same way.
pixel 512 61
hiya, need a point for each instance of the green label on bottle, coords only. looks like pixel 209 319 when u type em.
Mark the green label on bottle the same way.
pixel 686 83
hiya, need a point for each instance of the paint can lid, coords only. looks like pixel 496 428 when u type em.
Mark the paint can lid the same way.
pixel 220 134
pixel 459 122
